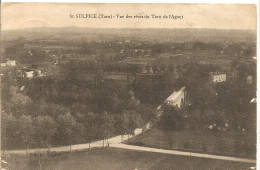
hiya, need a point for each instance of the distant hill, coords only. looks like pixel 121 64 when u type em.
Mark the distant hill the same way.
pixel 179 35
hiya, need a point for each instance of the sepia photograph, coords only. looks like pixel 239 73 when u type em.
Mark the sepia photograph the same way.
pixel 120 86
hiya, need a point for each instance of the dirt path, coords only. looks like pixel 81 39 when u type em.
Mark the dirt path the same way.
pixel 173 152
pixel 116 143
pixel 113 140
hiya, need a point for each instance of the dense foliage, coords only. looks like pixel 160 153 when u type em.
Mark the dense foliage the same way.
pixel 72 109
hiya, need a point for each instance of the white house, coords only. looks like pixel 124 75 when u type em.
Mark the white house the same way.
pixel 218 77
pixel 29 74
pixel 10 63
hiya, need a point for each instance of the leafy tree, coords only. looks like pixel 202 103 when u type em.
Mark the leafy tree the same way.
pixel 46 128
pixel 133 123
pixel 67 127
pixel 18 100
pixel 147 112
pixel 121 124
pixel 7 130
pixel 16 131
pixel 51 109
pixel 26 129
pixel 132 120
pixel 90 125
pixel 172 118
pixel 105 125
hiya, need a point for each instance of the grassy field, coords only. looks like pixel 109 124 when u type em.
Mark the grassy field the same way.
pixel 117 159
pixel 218 144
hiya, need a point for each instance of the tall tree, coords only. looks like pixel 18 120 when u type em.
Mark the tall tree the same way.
pixel 90 124
pixel 7 130
pixel 67 126
pixel 121 124
pixel 45 130
pixel 106 125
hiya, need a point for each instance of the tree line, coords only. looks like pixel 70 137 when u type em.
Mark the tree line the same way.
pixel 45 131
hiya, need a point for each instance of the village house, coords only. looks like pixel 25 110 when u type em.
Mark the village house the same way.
pixel 28 73
pixel 9 63
pixel 217 77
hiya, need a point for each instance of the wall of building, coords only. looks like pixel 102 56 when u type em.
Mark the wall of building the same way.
pixel 177 98
pixel 219 78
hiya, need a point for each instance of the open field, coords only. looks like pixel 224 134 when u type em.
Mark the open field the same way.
pixel 111 158
pixel 219 144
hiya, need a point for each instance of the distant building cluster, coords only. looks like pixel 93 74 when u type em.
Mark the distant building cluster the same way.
pixel 222 77
pixel 9 63
pixel 137 52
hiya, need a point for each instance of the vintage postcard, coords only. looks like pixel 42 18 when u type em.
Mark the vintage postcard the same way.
pixel 109 86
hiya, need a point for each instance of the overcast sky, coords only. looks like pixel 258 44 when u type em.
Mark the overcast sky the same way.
pixel 216 16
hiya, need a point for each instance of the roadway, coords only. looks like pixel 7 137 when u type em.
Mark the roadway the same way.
pixel 116 142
